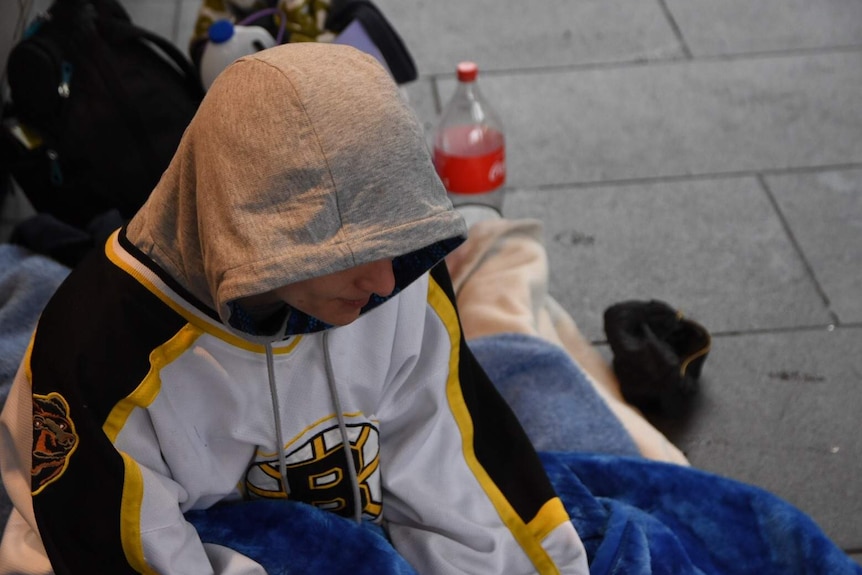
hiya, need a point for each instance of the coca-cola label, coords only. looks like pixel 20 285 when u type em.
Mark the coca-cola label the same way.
pixel 473 174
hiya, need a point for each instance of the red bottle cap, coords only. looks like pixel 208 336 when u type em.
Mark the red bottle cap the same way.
pixel 467 71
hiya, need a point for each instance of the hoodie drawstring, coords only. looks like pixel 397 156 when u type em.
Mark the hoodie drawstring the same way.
pixel 342 427
pixel 276 412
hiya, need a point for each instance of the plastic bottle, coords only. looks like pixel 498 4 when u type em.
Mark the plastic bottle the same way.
pixel 227 42
pixel 469 145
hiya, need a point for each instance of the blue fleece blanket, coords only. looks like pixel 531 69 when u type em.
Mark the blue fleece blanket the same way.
pixel 635 517
pixel 552 396
pixel 26 282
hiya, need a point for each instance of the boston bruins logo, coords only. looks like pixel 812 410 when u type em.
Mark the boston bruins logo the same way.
pixel 317 472
pixel 54 439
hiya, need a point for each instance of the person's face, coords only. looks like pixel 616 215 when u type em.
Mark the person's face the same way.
pixel 337 298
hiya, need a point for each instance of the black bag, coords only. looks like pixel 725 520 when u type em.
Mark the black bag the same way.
pixel 658 353
pixel 98 108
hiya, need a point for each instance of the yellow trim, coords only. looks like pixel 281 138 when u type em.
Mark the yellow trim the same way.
pixel 703 351
pixel 28 371
pixel 133 485
pixel 210 328
pixel 335 471
pixel 130 517
pixel 368 470
pixel 149 387
pixel 282 350
pixel 525 534
pixel 305 431
pixel 550 516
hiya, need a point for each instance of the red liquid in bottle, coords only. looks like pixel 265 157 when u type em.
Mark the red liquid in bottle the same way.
pixel 470 159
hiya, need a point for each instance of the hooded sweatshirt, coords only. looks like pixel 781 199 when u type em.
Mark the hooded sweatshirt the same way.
pixel 149 390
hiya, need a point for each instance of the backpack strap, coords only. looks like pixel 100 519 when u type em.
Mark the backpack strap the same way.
pixel 122 28
pixel 176 57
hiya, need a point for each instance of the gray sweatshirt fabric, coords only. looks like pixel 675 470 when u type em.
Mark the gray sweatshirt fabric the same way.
pixel 275 181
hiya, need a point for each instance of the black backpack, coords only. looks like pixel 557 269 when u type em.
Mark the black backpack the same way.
pixel 98 106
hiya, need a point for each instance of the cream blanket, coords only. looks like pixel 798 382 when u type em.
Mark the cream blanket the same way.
pixel 500 275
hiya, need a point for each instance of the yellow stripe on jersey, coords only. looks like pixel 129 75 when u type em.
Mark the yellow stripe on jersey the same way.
pixel 28 371
pixel 121 260
pixel 130 517
pixel 525 535
pixel 271 454
pixel 133 483
pixel 550 516
pixel 148 389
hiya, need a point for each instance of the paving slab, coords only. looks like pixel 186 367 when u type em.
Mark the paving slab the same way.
pixel 8 31
pixel 157 16
pixel 714 248
pixel 186 19
pixel 677 119
pixel 729 27
pixel 509 35
pixel 422 97
pixel 824 213
pixel 172 19
pixel 781 411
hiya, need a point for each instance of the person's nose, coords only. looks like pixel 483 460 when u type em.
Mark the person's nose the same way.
pixel 378 277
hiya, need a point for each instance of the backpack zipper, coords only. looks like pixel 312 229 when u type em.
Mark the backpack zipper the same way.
pixel 65 79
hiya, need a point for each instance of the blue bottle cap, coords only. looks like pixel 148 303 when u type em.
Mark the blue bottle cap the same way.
pixel 220 31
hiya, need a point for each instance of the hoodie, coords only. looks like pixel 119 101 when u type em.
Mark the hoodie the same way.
pixel 149 390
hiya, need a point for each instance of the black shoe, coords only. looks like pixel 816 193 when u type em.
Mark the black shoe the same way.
pixel 658 353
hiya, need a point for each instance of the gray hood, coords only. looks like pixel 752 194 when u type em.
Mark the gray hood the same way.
pixel 302 160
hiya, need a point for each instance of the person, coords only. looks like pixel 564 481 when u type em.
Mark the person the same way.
pixel 276 323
